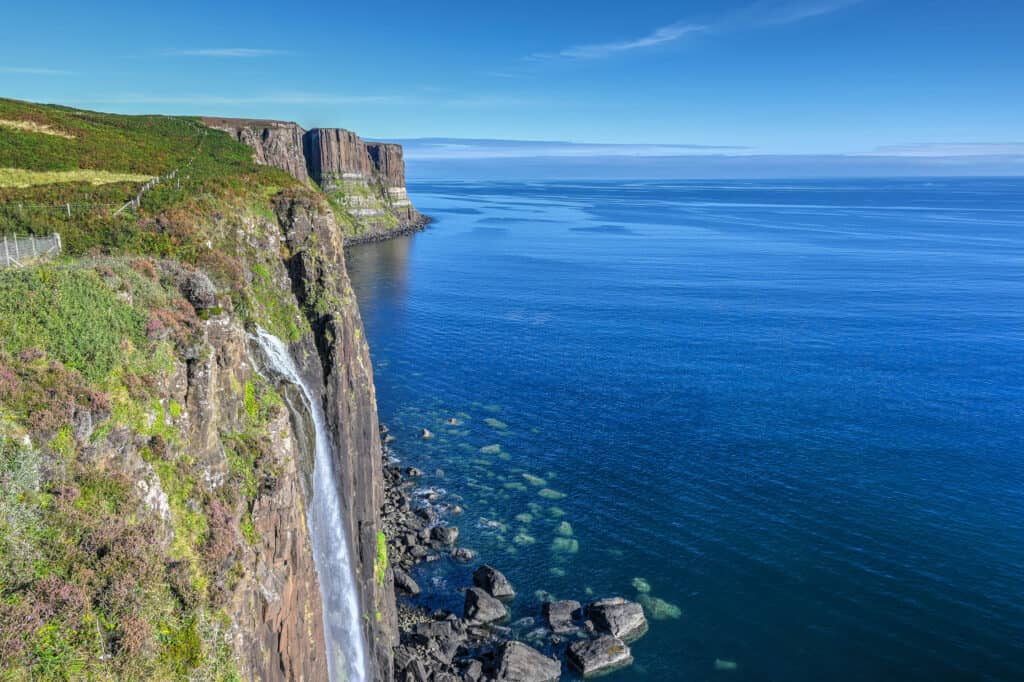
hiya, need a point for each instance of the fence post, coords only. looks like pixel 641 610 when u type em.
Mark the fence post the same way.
pixel 32 243
pixel 69 210
pixel 57 235
pixel 17 251
pixel 7 255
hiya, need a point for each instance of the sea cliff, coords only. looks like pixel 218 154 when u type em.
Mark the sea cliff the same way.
pixel 364 180
pixel 155 476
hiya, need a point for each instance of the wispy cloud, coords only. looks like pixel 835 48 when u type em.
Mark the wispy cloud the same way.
pixel 760 14
pixel 782 12
pixel 34 71
pixel 226 52
pixel 661 36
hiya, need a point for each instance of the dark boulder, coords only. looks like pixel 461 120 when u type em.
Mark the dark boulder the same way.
pixel 463 555
pixel 446 535
pixel 618 617
pixel 427 514
pixel 404 656
pixel 473 671
pixel 518 662
pixel 198 290
pixel 494 581
pixel 605 653
pixel 415 672
pixel 482 607
pixel 560 616
pixel 404 582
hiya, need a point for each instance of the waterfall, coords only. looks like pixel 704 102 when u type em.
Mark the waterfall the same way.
pixel 344 639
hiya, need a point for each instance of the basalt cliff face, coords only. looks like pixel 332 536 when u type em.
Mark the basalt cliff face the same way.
pixel 365 180
pixel 340 363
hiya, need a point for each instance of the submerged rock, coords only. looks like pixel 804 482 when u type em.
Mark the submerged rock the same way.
pixel 618 617
pixel 599 655
pixel 659 609
pixel 641 585
pixel 494 581
pixel 482 607
pixel 518 662
pixel 565 545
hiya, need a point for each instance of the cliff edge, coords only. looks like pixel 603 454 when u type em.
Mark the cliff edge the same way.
pixel 365 181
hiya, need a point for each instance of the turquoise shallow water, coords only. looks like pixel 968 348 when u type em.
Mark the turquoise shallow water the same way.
pixel 794 410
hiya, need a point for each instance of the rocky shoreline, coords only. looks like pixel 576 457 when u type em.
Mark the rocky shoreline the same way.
pixel 479 644
pixel 417 225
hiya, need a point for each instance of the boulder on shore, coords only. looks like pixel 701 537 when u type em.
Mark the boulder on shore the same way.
pixel 482 607
pixel 446 535
pixel 560 616
pixel 605 653
pixel 463 555
pixel 405 583
pixel 518 662
pixel 618 617
pixel 494 581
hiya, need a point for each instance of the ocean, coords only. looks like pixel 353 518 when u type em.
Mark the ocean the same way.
pixel 786 416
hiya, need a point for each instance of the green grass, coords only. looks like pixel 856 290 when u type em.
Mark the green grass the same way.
pixel 19 177
pixel 214 171
pixel 380 564
pixel 70 313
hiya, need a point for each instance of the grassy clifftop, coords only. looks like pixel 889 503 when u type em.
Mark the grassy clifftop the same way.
pixel 96 162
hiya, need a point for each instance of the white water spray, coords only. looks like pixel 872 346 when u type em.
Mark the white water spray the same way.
pixel 344 639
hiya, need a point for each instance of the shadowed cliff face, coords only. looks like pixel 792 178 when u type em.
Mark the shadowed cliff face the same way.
pixel 341 365
pixel 274 143
pixel 365 180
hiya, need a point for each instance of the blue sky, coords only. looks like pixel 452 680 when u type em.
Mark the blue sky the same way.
pixel 918 79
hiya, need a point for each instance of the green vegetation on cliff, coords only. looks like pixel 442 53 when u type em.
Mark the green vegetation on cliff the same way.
pixel 119 550
pixel 85 591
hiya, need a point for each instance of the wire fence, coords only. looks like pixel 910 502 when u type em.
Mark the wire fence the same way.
pixel 115 209
pixel 18 251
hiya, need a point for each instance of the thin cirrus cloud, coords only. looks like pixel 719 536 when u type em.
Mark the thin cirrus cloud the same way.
pixel 33 71
pixel 663 35
pixel 760 14
pixel 226 52
pixel 782 12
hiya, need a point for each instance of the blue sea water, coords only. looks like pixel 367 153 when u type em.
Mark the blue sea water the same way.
pixel 792 410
